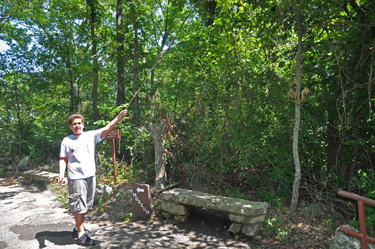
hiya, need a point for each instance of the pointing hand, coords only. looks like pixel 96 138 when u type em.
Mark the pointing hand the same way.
pixel 123 113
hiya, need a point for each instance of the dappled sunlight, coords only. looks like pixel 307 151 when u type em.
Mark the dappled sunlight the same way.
pixel 161 235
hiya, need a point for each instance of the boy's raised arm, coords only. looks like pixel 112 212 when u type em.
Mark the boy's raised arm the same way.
pixel 109 127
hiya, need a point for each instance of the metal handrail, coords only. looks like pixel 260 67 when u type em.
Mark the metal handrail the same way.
pixel 362 235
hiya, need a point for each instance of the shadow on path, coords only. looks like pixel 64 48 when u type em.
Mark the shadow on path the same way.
pixel 57 238
pixel 164 236
pixel 57 234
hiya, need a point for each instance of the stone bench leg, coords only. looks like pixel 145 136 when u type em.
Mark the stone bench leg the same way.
pixel 249 225
pixel 178 211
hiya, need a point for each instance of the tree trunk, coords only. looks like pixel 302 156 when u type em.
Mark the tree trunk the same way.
pixel 350 174
pixel 135 67
pixel 20 126
pixel 163 41
pixel 74 103
pixel 120 55
pixel 94 61
pixel 297 165
pixel 160 156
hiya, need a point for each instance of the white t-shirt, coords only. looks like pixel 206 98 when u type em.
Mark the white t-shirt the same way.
pixel 80 151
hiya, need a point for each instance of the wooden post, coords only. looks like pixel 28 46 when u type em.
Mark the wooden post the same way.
pixel 113 135
pixel 114 160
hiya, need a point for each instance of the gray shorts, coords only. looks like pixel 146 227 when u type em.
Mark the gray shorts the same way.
pixel 81 194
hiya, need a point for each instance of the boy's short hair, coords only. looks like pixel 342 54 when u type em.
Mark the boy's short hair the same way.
pixel 74 116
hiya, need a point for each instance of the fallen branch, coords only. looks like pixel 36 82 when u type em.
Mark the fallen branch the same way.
pixel 166 188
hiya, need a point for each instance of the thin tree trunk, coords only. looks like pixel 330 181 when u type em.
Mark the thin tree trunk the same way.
pixel 135 71
pixel 135 67
pixel 350 174
pixel 120 55
pixel 160 156
pixel 20 126
pixel 94 61
pixel 74 106
pixel 297 165
pixel 163 43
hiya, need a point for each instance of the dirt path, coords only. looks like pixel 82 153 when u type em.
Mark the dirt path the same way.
pixel 31 218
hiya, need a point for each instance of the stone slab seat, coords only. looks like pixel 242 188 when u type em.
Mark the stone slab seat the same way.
pixel 247 216
pixel 40 176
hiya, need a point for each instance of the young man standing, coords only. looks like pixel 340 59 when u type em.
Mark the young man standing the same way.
pixel 77 154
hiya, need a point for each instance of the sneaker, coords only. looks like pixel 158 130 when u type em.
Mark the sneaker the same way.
pixel 75 233
pixel 85 240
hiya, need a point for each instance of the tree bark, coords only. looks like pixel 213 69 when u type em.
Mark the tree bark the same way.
pixel 160 156
pixel 135 67
pixel 297 165
pixel 74 103
pixel 120 55
pixel 165 35
pixel 20 126
pixel 94 60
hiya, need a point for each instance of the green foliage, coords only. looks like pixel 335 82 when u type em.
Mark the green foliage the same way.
pixel 128 218
pixel 101 209
pixel 329 223
pixel 273 225
pixel 366 184
pixel 61 192
pixel 234 193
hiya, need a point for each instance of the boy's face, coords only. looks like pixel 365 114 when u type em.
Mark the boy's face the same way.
pixel 77 126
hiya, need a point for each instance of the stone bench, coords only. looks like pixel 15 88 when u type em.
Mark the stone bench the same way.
pixel 40 176
pixel 247 216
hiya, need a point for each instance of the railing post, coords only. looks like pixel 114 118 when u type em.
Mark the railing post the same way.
pixel 112 135
pixel 362 235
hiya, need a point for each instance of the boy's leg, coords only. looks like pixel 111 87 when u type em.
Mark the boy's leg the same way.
pixel 78 191
pixel 79 218
pixel 91 186
pixel 77 203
